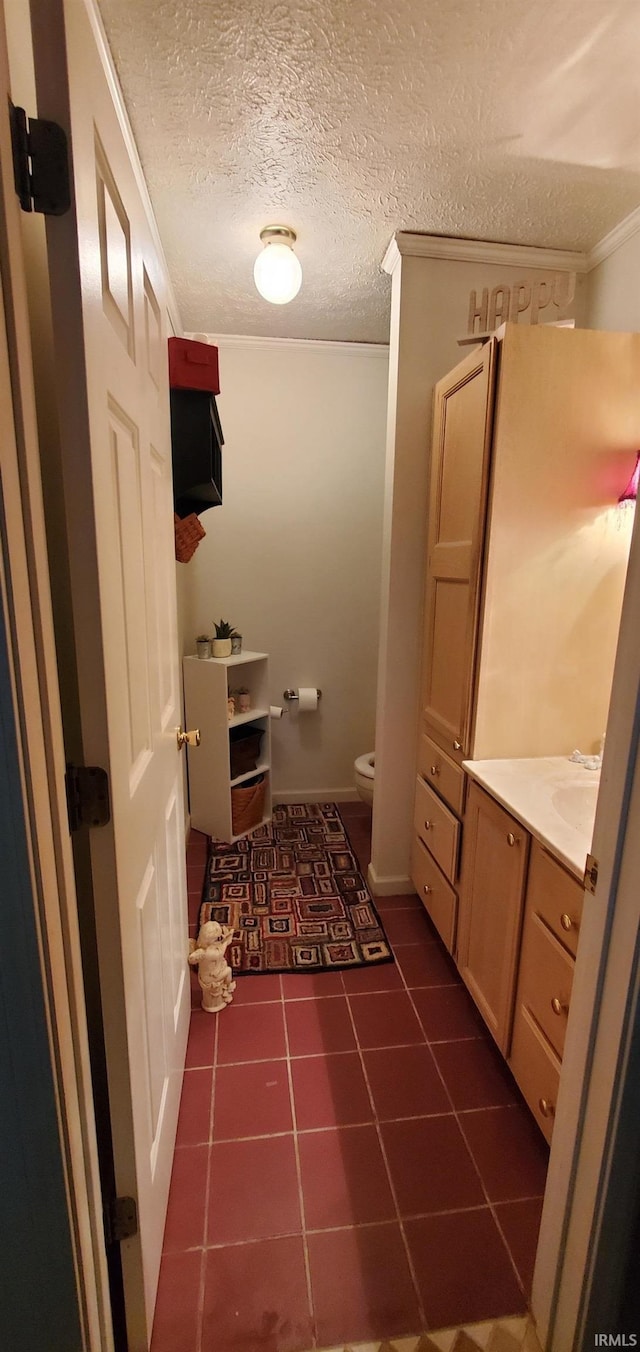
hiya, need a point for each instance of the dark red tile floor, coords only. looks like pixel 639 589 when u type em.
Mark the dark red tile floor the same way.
pixel 353 1158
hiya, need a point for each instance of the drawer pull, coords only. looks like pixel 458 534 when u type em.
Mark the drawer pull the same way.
pixel 558 1006
pixel 457 746
pixel 435 769
pixel 428 826
pixel 567 923
pixel 427 890
pixel 512 840
pixel 546 1108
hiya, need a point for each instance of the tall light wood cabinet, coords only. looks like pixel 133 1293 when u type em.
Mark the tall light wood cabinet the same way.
pixel 457 507
pixel 525 563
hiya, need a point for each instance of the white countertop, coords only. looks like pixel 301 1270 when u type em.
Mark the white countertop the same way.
pixel 555 799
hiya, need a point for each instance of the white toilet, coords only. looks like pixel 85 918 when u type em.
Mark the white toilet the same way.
pixel 364 768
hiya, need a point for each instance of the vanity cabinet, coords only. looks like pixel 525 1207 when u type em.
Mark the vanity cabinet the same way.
pixel 496 852
pixel 518 926
pixel 553 909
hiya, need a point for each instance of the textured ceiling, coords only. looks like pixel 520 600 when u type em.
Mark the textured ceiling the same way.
pixel 515 120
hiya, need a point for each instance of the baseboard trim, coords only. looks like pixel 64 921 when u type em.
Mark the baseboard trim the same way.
pixel 388 887
pixel 315 796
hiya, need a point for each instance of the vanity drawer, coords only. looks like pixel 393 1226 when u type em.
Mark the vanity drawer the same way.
pixel 437 769
pixel 436 894
pixel 536 1069
pixel 546 978
pixel 553 894
pixel 437 828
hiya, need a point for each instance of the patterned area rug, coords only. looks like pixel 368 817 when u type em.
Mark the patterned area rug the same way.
pixel 295 896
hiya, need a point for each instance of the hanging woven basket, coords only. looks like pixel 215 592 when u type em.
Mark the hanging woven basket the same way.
pixel 189 533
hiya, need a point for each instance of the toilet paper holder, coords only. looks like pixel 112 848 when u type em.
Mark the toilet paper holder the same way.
pixel 293 694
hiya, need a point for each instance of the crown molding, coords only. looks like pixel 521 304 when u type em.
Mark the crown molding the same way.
pixel 621 232
pixel 392 256
pixel 307 344
pixel 405 244
pixel 106 59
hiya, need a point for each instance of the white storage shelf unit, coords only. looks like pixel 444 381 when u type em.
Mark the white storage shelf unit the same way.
pixel 207 684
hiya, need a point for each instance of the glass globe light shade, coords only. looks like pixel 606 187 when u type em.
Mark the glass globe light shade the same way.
pixel 277 272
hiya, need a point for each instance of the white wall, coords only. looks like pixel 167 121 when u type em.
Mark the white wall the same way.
pixel 613 287
pixel 293 556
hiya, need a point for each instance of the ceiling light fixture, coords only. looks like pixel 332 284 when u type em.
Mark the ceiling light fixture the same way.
pixel 277 272
pixel 631 491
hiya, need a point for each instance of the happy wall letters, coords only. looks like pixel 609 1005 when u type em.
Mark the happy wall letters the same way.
pixel 521 302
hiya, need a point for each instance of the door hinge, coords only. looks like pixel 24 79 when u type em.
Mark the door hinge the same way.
pixel 40 163
pixel 87 796
pixel 590 880
pixel 120 1219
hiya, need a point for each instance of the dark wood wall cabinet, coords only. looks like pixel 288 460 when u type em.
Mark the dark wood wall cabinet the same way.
pixel 196 443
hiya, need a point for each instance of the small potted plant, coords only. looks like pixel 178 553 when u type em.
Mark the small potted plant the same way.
pixel 203 646
pixel 221 644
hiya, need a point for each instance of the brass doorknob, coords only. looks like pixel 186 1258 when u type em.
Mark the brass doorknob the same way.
pixel 426 889
pixel 511 839
pixel 566 922
pixel 187 738
pixel 546 1108
pixel 428 825
pixel 435 769
pixel 558 1006
pixel 457 746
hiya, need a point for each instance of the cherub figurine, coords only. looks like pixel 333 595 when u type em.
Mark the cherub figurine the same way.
pixel 214 973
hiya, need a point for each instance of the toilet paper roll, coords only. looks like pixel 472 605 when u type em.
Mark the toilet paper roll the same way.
pixel 275 711
pixel 307 699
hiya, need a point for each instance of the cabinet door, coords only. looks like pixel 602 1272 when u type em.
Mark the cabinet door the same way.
pixel 457 509
pixel 494 866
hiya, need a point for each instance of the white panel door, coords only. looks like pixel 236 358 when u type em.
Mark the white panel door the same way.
pixel 109 294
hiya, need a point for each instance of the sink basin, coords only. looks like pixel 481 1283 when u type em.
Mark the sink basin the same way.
pixel 554 798
pixel 576 803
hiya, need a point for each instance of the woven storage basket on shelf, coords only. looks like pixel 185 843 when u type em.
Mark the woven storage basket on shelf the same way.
pixel 247 805
pixel 189 533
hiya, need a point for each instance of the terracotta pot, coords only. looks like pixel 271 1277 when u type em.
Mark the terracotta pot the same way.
pixel 221 647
